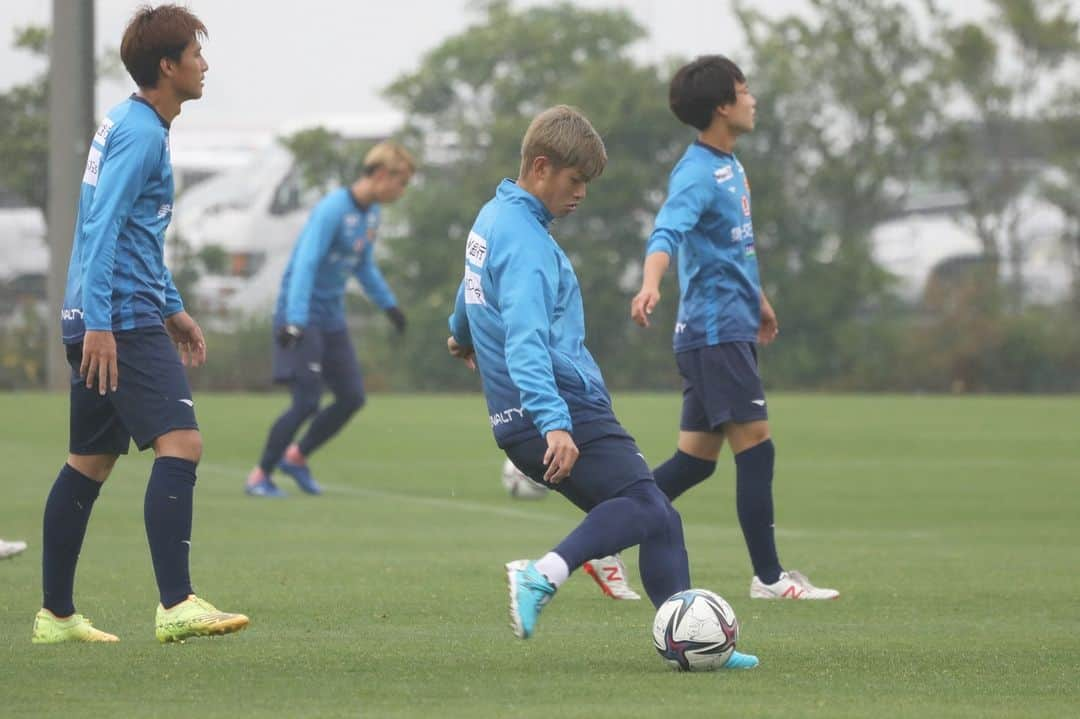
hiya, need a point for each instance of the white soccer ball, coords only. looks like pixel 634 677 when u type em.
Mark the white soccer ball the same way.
pixel 518 485
pixel 695 630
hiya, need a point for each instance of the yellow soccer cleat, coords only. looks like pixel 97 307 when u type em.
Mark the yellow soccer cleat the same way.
pixel 48 629
pixel 195 617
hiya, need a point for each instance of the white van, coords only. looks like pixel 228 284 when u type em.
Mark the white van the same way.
pixel 253 214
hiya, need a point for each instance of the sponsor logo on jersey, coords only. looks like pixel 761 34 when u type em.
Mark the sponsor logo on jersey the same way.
pixel 746 205
pixel 723 174
pixel 93 166
pixel 476 249
pixel 506 416
pixel 749 251
pixel 680 327
pixel 71 313
pixel 474 289
pixel 102 133
pixel 164 211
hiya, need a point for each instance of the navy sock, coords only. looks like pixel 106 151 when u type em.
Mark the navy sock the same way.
pixel 167 513
pixel 754 502
pixel 682 472
pixel 305 402
pixel 67 512
pixel 640 514
pixel 330 421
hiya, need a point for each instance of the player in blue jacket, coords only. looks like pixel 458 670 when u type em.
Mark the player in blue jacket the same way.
pixel 312 345
pixel 121 318
pixel 519 319
pixel 723 314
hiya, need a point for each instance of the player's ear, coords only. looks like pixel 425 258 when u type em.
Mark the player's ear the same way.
pixel 541 167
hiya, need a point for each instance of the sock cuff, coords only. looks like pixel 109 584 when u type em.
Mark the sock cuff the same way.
pixel 762 451
pixel 695 463
pixel 176 467
pixel 82 485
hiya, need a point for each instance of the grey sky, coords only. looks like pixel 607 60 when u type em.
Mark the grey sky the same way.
pixel 270 62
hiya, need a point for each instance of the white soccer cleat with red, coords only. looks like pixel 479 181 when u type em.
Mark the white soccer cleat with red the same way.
pixel 790 585
pixel 610 574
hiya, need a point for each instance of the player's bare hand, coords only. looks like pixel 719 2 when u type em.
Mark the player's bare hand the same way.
pixel 560 456
pixel 98 364
pixel 769 327
pixel 463 353
pixel 642 305
pixel 188 336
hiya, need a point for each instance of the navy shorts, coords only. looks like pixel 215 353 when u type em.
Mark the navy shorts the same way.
pixel 720 384
pixel 606 465
pixel 320 357
pixel 152 397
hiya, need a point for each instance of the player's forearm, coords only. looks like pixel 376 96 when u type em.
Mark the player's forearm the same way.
pixel 656 265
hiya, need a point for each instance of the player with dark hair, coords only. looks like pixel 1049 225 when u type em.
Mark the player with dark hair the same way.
pixel 312 345
pixel 123 322
pixel 723 314
pixel 519 319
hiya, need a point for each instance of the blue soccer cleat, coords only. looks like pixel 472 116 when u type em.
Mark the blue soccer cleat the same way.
pixel 302 475
pixel 529 592
pixel 738 660
pixel 265 487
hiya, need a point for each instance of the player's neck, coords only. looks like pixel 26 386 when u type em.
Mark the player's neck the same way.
pixel 164 102
pixel 719 136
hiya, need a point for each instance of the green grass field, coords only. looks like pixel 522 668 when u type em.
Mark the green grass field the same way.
pixel 950 525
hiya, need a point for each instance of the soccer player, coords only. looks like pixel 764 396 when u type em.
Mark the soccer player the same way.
pixel 519 319
pixel 10 549
pixel 123 322
pixel 723 314
pixel 312 347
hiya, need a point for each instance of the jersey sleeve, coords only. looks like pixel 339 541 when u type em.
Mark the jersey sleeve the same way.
pixel 124 167
pixel 371 280
pixel 525 280
pixel 459 320
pixel 173 301
pixel 312 246
pixel 688 195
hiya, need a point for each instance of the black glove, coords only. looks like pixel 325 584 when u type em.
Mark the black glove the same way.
pixel 397 318
pixel 290 335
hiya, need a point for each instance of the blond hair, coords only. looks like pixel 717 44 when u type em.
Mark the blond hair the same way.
pixel 566 137
pixel 390 155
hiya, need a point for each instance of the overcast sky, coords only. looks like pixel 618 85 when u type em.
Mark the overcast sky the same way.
pixel 270 62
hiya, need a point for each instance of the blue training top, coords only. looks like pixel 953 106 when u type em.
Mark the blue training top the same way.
pixel 706 222
pixel 117 279
pixel 338 240
pixel 519 306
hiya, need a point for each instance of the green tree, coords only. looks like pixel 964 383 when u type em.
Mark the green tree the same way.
pixel 468 104
pixel 24 126
pixel 1004 79
pixel 846 108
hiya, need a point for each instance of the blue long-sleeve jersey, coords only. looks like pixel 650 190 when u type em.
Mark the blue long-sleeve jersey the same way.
pixel 705 221
pixel 117 279
pixel 337 240
pixel 519 307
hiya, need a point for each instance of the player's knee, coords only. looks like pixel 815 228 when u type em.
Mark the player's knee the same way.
pixel 183 443
pixel 305 405
pixel 97 467
pixel 352 399
pixel 655 511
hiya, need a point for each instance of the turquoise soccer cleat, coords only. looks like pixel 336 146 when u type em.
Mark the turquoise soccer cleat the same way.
pixel 738 660
pixel 529 592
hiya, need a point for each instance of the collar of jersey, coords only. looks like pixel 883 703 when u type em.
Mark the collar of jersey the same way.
pixel 714 150
pixel 509 190
pixel 144 101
